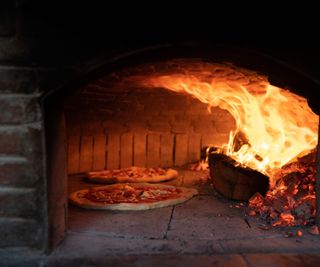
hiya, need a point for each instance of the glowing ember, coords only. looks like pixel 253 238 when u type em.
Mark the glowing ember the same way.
pixel 277 124
pixel 292 201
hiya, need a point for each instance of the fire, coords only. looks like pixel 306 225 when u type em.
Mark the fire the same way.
pixel 292 201
pixel 273 125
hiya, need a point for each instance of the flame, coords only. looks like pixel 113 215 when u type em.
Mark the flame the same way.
pixel 274 125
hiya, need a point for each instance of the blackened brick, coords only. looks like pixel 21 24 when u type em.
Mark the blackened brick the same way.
pixel 18 81
pixel 7 18
pixel 16 110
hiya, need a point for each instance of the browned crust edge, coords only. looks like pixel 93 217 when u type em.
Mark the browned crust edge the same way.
pixel 170 175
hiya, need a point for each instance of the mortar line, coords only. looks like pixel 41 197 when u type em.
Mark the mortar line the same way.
pixel 169 224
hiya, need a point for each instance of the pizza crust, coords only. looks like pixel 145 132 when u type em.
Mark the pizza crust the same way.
pixel 77 199
pixel 95 177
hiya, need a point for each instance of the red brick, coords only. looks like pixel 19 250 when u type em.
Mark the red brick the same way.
pixel 139 149
pixel 166 147
pixel 126 146
pixel 181 126
pixel 221 139
pixel 204 126
pixel 218 111
pixel 181 149
pixel 92 127
pixel 73 153
pixel 154 107
pixel 125 116
pixel 215 139
pixel 115 126
pixel 194 148
pixel 153 150
pixel 177 102
pixel 196 107
pixel 123 105
pixel 137 126
pixel 172 113
pixel 221 115
pixel 113 151
pixel 158 125
pixel 86 153
pixel 224 127
pixel 99 152
pixel 208 139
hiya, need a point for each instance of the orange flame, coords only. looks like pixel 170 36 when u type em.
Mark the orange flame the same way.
pixel 277 124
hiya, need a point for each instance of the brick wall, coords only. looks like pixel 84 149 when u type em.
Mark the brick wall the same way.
pixel 22 208
pixel 22 205
pixel 41 52
pixel 112 128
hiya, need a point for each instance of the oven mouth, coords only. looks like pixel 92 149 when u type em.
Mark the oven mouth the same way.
pixel 167 143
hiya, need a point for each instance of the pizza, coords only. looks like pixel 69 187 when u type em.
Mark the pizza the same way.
pixel 136 196
pixel 132 175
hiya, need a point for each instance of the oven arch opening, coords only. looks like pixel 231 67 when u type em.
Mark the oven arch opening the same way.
pixel 53 105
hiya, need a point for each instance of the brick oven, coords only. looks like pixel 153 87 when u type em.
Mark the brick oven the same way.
pixel 71 105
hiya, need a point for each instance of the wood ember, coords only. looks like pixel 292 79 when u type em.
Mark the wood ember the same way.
pixel 292 201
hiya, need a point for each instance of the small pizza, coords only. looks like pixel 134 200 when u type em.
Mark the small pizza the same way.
pixel 133 175
pixel 137 196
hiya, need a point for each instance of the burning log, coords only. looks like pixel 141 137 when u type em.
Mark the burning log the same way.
pixel 236 182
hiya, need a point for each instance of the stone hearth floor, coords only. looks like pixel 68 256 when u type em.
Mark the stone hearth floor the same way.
pixel 204 227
